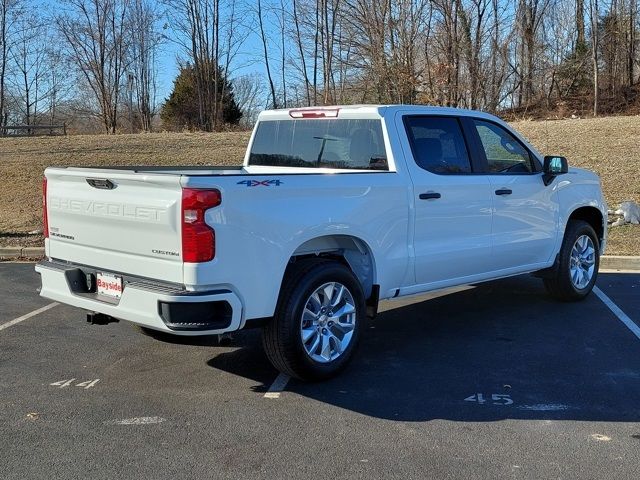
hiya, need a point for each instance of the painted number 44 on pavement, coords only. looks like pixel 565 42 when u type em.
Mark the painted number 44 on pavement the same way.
pixel 67 383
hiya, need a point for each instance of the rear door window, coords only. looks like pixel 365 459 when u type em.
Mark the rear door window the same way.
pixel 320 143
pixel 438 144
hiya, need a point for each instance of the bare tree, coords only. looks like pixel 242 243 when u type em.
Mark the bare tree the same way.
pixel 299 44
pixel 29 56
pixel 316 38
pixel 10 12
pixel 530 15
pixel 594 13
pixel 631 55
pixel 210 35
pixel 263 37
pixel 59 87
pixel 368 23
pixel 283 51
pixel 4 50
pixel 95 31
pixel 580 32
pixel 447 39
pixel 249 95
pixel 331 10
pixel 497 74
pixel 144 45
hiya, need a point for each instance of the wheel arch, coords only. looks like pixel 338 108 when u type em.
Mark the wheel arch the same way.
pixel 593 216
pixel 352 251
pixel 588 213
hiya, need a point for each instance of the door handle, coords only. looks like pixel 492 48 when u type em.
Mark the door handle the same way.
pixel 504 191
pixel 430 196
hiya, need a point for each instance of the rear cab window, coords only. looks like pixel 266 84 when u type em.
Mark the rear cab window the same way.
pixel 355 144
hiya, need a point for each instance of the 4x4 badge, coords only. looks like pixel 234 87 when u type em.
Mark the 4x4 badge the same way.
pixel 260 183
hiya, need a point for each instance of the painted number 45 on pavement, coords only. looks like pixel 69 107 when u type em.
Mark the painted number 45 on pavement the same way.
pixel 496 399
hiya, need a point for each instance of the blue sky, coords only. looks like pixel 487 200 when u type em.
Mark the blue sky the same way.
pixel 249 59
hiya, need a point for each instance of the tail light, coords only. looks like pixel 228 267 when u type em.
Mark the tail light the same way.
pixel 45 215
pixel 198 238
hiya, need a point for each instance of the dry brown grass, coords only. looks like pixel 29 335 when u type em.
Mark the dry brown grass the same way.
pixel 609 146
pixel 22 161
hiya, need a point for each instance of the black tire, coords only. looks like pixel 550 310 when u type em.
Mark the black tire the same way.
pixel 560 285
pixel 281 336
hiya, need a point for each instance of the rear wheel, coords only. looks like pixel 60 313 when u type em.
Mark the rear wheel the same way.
pixel 318 320
pixel 578 263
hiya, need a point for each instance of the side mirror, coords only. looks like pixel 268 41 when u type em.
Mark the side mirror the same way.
pixel 553 166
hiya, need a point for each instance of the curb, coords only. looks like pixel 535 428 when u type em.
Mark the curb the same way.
pixel 607 262
pixel 10 253
pixel 620 262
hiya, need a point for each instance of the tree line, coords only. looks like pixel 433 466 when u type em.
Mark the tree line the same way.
pixel 99 59
pixel 94 59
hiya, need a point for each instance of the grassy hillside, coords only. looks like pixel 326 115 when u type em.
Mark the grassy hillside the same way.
pixel 610 146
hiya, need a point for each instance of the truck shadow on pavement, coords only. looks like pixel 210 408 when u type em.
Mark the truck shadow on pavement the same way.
pixel 502 350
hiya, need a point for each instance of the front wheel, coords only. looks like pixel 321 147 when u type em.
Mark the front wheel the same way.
pixel 318 320
pixel 578 263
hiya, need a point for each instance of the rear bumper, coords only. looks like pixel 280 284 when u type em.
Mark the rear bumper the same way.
pixel 159 306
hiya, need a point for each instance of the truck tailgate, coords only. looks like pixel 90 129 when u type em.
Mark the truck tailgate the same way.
pixel 119 221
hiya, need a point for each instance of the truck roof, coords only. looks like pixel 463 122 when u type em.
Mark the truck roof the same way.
pixel 366 111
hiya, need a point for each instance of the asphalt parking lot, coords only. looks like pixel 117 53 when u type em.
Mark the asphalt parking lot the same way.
pixel 492 381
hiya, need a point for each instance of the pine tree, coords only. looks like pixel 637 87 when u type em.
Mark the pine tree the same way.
pixel 192 104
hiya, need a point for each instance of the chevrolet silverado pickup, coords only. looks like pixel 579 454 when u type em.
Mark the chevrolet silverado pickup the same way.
pixel 333 210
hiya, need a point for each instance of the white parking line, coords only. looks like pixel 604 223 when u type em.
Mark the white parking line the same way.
pixel 277 386
pixel 28 316
pixel 623 317
pixel 136 421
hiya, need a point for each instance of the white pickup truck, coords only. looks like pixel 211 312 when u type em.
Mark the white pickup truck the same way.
pixel 334 209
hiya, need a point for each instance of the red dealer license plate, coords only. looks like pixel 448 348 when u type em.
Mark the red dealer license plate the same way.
pixel 109 285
